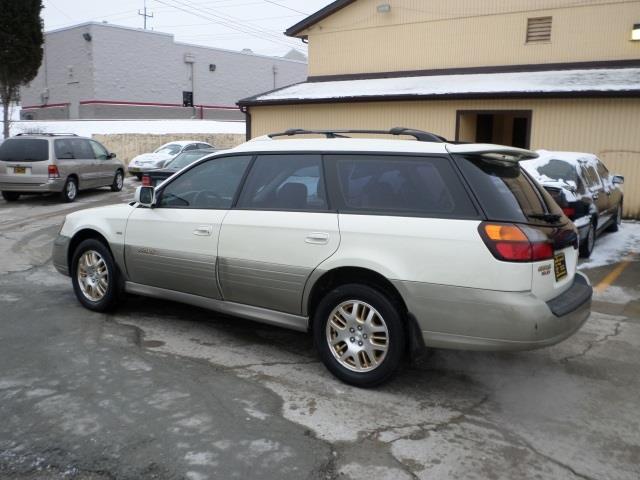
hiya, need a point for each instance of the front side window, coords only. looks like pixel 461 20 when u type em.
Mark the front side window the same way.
pixel 99 151
pixel 285 182
pixel 602 170
pixel 592 177
pixel 209 185
pixel 400 185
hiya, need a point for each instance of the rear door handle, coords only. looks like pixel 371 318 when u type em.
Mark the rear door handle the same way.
pixel 203 230
pixel 317 238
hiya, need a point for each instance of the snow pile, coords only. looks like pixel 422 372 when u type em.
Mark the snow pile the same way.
pixel 612 79
pixel 87 128
pixel 614 247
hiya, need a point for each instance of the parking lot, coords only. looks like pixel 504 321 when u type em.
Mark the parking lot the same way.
pixel 161 390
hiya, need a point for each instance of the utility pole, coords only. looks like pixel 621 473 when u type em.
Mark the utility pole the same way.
pixel 143 13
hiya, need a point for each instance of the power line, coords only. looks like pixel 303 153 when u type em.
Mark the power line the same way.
pixel 288 8
pixel 228 22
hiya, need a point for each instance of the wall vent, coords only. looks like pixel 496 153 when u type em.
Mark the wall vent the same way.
pixel 539 29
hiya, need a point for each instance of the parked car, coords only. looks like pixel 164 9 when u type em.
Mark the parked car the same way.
pixel 154 177
pixel 163 155
pixel 376 247
pixel 58 163
pixel 585 190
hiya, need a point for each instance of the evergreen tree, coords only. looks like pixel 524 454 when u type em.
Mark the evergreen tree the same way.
pixel 21 40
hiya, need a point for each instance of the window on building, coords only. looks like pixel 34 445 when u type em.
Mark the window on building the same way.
pixel 539 29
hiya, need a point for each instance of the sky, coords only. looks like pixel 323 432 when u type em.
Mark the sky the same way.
pixel 230 24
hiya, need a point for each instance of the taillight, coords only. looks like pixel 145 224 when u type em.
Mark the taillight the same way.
pixel 146 181
pixel 516 243
pixel 53 171
pixel 569 211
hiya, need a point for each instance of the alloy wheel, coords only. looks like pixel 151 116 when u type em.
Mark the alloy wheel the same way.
pixel 357 336
pixel 93 275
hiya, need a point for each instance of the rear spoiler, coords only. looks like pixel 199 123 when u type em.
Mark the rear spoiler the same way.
pixel 493 152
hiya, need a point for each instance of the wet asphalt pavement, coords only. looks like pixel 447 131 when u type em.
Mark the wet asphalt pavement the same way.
pixel 162 390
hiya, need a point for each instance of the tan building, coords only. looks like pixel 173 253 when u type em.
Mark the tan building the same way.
pixel 553 74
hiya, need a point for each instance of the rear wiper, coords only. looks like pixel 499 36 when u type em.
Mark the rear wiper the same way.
pixel 546 217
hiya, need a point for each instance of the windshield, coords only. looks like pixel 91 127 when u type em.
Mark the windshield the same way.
pixel 24 150
pixel 505 192
pixel 171 149
pixel 184 159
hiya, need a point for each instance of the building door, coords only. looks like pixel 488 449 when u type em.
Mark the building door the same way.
pixel 503 127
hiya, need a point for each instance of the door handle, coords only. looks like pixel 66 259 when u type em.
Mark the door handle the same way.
pixel 317 238
pixel 203 230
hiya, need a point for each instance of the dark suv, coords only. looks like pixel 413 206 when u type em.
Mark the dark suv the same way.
pixel 585 190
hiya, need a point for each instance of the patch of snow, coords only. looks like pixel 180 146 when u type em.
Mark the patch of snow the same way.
pixel 87 128
pixel 619 79
pixel 617 294
pixel 614 247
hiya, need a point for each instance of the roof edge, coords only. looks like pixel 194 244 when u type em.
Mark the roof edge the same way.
pixel 634 93
pixel 321 14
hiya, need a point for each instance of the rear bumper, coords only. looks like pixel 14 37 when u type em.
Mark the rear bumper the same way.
pixel 473 319
pixel 60 254
pixel 53 185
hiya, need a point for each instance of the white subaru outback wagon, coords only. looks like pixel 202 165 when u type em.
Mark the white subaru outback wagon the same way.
pixel 376 247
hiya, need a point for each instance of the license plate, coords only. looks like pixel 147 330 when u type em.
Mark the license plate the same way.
pixel 20 170
pixel 560 266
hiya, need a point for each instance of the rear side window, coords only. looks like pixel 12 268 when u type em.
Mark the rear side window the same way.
pixel 398 185
pixel 24 150
pixel 285 182
pixel 505 192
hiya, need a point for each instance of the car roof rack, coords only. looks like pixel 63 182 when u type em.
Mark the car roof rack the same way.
pixel 46 135
pixel 419 135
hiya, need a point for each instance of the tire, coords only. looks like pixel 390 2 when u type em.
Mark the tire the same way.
pixel 118 182
pixel 586 246
pixel 358 367
pixel 11 196
pixel 95 277
pixel 617 220
pixel 70 191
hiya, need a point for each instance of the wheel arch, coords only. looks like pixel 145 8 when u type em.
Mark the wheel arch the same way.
pixel 81 236
pixel 326 281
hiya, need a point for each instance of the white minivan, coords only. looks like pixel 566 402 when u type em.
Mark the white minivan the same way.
pixel 376 247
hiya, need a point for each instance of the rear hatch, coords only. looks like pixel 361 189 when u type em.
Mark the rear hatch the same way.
pixel 24 161
pixel 509 197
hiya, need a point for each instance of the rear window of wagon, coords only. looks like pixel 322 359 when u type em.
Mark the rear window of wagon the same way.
pixel 24 150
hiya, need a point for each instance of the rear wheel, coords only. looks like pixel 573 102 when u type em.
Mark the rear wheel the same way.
pixel 70 190
pixel 95 277
pixel 586 247
pixel 359 334
pixel 617 220
pixel 118 182
pixel 10 196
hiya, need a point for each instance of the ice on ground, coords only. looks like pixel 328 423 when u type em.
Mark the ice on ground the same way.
pixel 614 247
pixel 87 128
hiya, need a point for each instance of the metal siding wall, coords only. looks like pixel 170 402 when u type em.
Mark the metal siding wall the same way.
pixel 606 127
pixel 415 36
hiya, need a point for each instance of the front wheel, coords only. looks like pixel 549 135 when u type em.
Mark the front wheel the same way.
pixel 95 277
pixel 118 182
pixel 615 226
pixel 359 334
pixel 11 196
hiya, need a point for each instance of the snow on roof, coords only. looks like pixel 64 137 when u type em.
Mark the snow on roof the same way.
pixel 556 81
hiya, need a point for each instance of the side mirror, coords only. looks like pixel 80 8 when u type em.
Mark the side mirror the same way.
pixel 145 196
pixel 618 179
pixel 111 155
